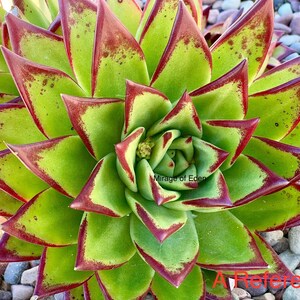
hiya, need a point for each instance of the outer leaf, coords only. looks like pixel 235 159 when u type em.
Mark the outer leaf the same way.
pixel 45 212
pixel 183 117
pixel 53 7
pixel 249 179
pixel 129 281
pixel 232 248
pixel 37 44
pixel 17 126
pixel 75 294
pixel 104 192
pixel 234 101
pixel 249 37
pixel 98 122
pixel 7 85
pixel 124 9
pixel 218 292
pixel 186 51
pixel 34 11
pixel 37 84
pixel 8 204
pixel 273 211
pixel 175 257
pixel 232 136
pixel 278 157
pixel 143 106
pixel 149 186
pixel 16 180
pixel 161 221
pixel 13 249
pixel 63 163
pixel 155 29
pixel 117 57
pixel 212 194
pixel 293 137
pixel 92 290
pixel 54 277
pixel 284 73
pixel 126 156
pixel 99 246
pixel 279 122
pixel 78 23
pixel 193 286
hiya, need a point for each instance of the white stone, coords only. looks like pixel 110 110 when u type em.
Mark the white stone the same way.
pixel 246 5
pixel 21 292
pixel 294 239
pixel 230 4
pixel 29 276
pixel 213 16
pixel 285 9
pixel 272 237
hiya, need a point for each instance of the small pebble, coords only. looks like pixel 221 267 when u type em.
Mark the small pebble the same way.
pixel 291 294
pixel 213 16
pixel 267 296
pixel 235 296
pixel 241 293
pixel 286 20
pixel 218 4
pixel 290 39
pixel 290 57
pixel 5 295
pixel 284 28
pixel 282 245
pixel 295 5
pixel 224 15
pixel 290 259
pixel 59 296
pixel 254 289
pixel 13 272
pixel 296 47
pixel 246 5
pixel 231 4
pixel 278 3
pixel 272 237
pixel 294 239
pixel 34 263
pixel 2 268
pixel 21 292
pixel 29 276
pixel 285 9
pixel 295 23
pixel 209 2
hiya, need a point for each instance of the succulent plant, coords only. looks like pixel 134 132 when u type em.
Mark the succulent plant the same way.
pixel 141 159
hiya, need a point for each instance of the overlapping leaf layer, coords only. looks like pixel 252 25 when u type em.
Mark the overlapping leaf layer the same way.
pixel 142 157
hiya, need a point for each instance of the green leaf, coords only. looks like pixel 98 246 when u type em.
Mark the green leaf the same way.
pixel 183 117
pixel 37 44
pixel 75 294
pixel 149 186
pixel 53 8
pixel 161 221
pixel 193 287
pixel 98 122
pixel 218 291
pixel 143 106
pixel 211 195
pixel 234 101
pixel 54 277
pixel 7 85
pixel 8 204
pixel 272 211
pixel 101 249
pixel 278 122
pixel 125 8
pixel 17 180
pixel 225 243
pixel 231 136
pixel 276 156
pixel 277 76
pixel 130 281
pixel 186 51
pixel 175 257
pixel 45 212
pixel 293 137
pixel 117 57
pixel 78 24
pixel 37 84
pixel 126 156
pixel 64 163
pixel 35 12
pixel 17 126
pixel 92 289
pixel 13 249
pixel 248 179
pixel 104 192
pixel 248 38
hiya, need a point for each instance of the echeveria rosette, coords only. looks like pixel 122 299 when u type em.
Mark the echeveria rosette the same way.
pixel 106 118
